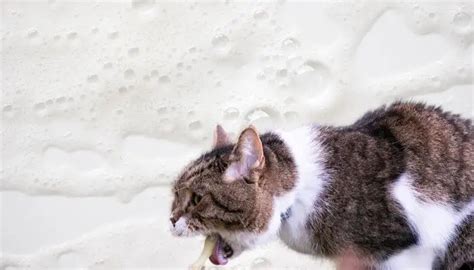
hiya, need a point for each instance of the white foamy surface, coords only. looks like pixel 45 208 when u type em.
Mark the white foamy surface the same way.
pixel 103 103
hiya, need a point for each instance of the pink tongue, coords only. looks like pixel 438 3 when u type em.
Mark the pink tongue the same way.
pixel 217 256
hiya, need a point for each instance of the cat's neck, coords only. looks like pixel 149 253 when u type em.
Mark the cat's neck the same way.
pixel 305 147
pixel 308 156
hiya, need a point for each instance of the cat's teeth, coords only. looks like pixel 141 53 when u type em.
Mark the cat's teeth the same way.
pixel 228 252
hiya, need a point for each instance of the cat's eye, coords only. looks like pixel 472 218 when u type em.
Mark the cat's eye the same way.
pixel 196 199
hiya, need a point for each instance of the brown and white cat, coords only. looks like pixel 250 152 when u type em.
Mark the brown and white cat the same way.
pixel 394 190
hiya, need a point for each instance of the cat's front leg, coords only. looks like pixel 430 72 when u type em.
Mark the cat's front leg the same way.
pixel 414 258
pixel 350 260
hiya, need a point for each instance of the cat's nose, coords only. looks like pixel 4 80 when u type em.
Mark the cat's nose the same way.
pixel 173 220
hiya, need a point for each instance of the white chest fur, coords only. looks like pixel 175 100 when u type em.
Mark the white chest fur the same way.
pixel 307 153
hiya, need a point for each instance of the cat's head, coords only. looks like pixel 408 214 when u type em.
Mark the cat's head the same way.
pixel 228 193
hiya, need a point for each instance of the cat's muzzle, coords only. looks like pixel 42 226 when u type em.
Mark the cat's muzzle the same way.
pixel 222 252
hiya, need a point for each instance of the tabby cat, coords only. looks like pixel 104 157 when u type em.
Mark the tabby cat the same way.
pixel 394 190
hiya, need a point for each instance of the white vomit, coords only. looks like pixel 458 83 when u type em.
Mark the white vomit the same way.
pixel 102 106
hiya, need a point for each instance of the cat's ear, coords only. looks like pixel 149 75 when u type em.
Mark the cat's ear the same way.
pixel 247 157
pixel 220 137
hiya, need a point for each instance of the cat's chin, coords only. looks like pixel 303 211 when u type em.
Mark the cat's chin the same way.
pixel 222 252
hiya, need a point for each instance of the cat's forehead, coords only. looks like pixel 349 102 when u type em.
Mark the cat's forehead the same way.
pixel 211 162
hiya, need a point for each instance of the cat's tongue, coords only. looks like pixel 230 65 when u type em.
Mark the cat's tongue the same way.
pixel 217 256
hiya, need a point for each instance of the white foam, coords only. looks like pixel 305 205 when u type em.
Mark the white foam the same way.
pixel 111 98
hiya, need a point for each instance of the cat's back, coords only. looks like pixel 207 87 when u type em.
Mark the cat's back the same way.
pixel 401 182
pixel 437 147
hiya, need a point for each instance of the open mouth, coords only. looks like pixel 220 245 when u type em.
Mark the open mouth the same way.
pixel 221 253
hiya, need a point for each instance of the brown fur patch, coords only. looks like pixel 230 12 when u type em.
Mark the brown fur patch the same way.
pixel 364 160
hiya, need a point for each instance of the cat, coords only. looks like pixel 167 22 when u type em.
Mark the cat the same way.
pixel 394 190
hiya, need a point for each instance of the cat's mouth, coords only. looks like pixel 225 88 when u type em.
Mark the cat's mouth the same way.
pixel 221 253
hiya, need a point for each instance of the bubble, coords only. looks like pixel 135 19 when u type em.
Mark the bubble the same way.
pixel 260 15
pixel 262 117
pixel 462 20
pixel 195 125
pixel 8 111
pixel 312 77
pixel 72 35
pixel 220 42
pixel 108 65
pixel 192 50
pixel 290 44
pixel 432 15
pixel 7 108
pixel 231 113
pixel 164 79
pixel 40 108
pixel 61 100
pixel 133 52
pixel 129 74
pixel 113 35
pixel 122 90
pixel 119 112
pixel 260 76
pixel 282 73
pixel 162 110
pixel 32 33
pixel 93 79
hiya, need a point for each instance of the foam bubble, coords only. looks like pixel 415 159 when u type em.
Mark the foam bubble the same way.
pixel 108 65
pixel 93 78
pixel 263 117
pixel 290 44
pixel 72 35
pixel 462 20
pixel 129 74
pixel 195 125
pixel 221 42
pixel 133 52
pixel 32 33
pixel 113 35
pixel 260 15
pixel 231 113
pixel 164 79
